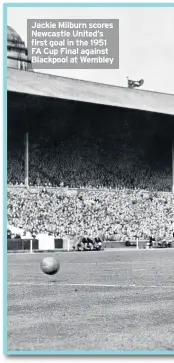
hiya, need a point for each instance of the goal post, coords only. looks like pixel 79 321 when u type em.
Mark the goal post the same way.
pixel 31 246
pixel 137 243
pixel 68 244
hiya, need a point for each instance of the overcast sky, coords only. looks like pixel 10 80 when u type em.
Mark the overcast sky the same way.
pixel 146 43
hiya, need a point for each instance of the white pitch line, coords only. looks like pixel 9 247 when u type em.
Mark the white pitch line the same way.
pixel 87 285
pixel 139 269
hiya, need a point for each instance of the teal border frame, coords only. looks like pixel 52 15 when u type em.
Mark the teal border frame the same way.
pixel 46 352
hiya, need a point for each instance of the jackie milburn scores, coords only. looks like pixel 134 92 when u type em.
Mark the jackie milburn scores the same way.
pixel 70 25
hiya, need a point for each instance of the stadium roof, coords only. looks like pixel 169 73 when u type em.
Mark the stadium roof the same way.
pixel 72 89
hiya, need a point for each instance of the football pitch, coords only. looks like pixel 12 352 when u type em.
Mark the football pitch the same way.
pixel 99 301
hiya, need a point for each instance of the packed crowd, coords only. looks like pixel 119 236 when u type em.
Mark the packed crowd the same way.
pixel 78 165
pixel 112 153
pixel 110 215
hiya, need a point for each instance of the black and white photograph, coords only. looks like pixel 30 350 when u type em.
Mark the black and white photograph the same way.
pixel 90 180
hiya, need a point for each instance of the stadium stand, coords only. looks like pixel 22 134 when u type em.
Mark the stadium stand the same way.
pixel 121 157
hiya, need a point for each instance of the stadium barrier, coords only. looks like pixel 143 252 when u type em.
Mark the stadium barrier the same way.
pixel 67 244
pixel 58 243
pixel 75 191
pixel 122 244
pixel 34 245
pixel 114 244
pixel 22 244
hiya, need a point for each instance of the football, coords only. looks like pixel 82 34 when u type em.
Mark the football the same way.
pixel 50 265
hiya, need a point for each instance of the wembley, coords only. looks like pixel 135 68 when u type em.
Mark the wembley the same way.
pixel 89 189
pixel 101 60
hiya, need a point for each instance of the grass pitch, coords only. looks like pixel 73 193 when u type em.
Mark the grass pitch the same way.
pixel 99 301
